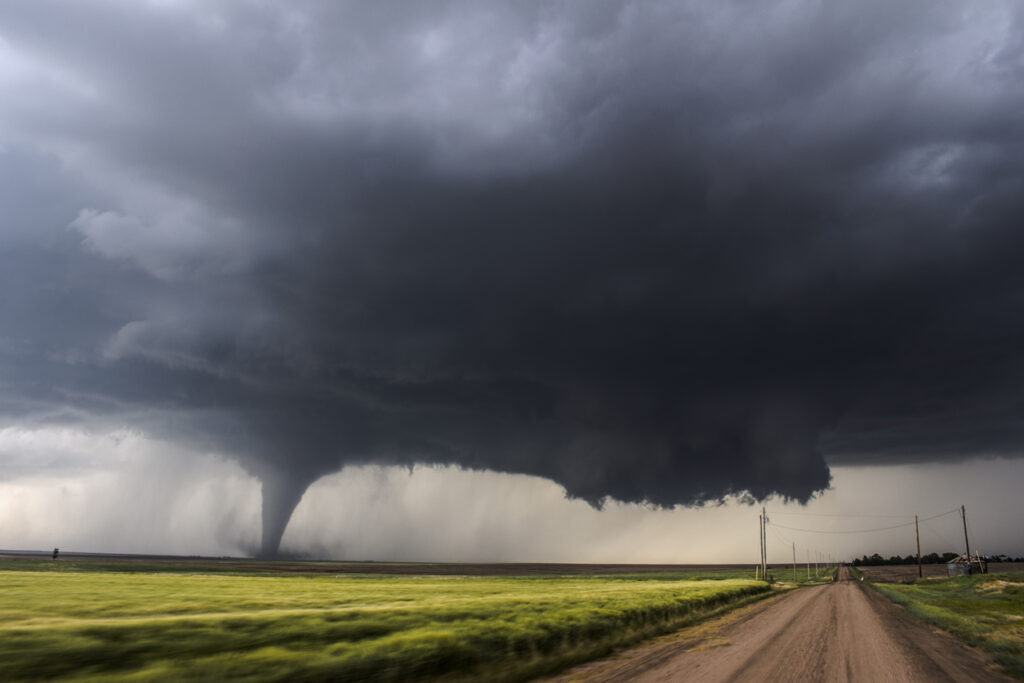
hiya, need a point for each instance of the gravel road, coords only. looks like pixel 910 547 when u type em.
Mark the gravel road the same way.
pixel 843 631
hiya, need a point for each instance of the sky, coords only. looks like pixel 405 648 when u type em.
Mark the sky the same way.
pixel 510 281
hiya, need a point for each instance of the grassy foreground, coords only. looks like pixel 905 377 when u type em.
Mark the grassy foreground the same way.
pixel 102 625
pixel 986 611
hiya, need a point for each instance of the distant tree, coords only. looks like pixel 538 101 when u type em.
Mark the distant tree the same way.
pixel 56 551
pixel 931 558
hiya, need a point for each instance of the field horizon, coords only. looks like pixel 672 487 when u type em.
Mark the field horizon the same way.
pixel 306 564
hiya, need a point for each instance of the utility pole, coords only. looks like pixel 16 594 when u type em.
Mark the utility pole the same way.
pixel 963 513
pixel 808 564
pixel 794 561
pixel 760 540
pixel 764 542
pixel 761 531
pixel 917 535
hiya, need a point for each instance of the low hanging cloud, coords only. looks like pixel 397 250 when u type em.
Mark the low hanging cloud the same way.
pixel 658 252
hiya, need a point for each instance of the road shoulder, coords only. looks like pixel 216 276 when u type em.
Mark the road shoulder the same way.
pixel 633 661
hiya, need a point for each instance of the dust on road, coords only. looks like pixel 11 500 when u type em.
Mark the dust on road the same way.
pixel 842 631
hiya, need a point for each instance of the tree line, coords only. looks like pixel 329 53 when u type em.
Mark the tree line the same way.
pixel 930 558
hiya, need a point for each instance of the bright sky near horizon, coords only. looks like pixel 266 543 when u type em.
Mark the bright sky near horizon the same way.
pixel 191 503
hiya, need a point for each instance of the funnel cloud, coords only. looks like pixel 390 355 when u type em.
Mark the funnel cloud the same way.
pixel 653 252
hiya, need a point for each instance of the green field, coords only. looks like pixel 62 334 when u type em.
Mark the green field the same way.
pixel 985 610
pixel 174 626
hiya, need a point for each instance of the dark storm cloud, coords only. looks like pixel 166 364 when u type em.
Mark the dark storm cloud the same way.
pixel 658 252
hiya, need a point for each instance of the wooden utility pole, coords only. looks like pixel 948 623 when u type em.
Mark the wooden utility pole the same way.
pixel 764 542
pixel 760 542
pixel 761 550
pixel 966 542
pixel 808 564
pixel 760 530
pixel 794 562
pixel 963 513
pixel 917 535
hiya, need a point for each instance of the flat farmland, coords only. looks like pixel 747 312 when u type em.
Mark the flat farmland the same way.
pixel 905 573
pixel 71 622
pixel 156 563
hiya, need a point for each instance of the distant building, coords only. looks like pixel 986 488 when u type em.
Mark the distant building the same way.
pixel 963 565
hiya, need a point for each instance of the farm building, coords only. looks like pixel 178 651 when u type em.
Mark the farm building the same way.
pixel 964 565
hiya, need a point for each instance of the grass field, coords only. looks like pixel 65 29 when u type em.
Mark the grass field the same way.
pixel 77 624
pixel 907 573
pixel 985 610
pixel 39 561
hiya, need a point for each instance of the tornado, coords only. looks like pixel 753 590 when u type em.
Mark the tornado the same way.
pixel 282 490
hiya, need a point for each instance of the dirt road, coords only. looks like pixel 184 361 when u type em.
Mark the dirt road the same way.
pixel 838 632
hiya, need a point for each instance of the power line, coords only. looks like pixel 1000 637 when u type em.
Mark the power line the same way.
pixel 846 531
pixel 778 535
pixel 864 531
pixel 941 538
pixel 784 539
pixel 941 514
pixel 837 514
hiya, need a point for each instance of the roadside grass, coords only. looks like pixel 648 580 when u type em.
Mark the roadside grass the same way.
pixel 82 625
pixel 984 610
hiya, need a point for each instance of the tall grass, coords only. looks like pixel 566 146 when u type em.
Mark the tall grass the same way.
pixel 178 627
pixel 985 610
